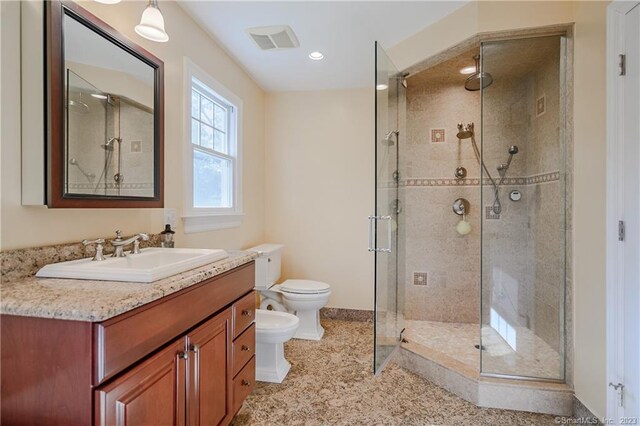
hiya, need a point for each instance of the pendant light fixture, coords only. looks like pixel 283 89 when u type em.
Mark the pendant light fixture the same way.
pixel 151 24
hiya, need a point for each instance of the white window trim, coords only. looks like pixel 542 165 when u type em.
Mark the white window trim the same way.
pixel 201 220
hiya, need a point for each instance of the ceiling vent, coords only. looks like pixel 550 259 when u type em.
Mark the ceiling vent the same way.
pixel 274 37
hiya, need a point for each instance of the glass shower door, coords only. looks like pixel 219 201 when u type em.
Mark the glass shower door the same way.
pixel 389 305
pixel 523 195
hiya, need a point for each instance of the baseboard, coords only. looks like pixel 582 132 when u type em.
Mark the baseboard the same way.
pixel 360 315
pixel 581 412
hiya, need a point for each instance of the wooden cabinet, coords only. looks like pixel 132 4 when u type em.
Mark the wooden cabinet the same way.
pixel 185 359
pixel 153 393
pixel 209 397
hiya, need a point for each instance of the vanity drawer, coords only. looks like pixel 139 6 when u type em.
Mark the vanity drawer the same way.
pixel 244 347
pixel 123 340
pixel 243 384
pixel 244 312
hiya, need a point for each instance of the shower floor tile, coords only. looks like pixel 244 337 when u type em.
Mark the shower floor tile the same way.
pixel 533 358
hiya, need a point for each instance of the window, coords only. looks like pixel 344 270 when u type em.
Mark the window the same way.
pixel 213 193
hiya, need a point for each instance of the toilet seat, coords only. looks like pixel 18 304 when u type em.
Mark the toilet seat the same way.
pixel 304 287
pixel 275 322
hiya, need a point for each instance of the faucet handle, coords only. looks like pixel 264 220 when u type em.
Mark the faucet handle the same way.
pixel 118 235
pixel 99 242
pixel 136 243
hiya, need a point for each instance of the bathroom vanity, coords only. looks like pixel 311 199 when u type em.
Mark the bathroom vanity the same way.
pixel 177 351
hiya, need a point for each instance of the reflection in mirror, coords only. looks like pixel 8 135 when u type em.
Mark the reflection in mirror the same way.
pixel 109 118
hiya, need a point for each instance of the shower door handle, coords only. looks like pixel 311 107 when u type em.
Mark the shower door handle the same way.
pixel 389 233
pixel 372 224
pixel 372 221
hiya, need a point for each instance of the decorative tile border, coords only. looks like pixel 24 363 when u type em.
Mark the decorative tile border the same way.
pixel 429 182
pixel 111 185
pixel 22 263
pixel 359 315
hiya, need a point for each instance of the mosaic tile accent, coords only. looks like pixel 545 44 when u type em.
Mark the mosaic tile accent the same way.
pixel 438 136
pixel 111 185
pixel 529 180
pixel 541 105
pixel 420 278
pixel 490 214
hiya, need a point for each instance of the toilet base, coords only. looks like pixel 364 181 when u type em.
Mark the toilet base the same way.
pixel 271 366
pixel 310 327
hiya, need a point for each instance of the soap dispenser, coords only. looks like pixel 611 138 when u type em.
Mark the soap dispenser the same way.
pixel 167 236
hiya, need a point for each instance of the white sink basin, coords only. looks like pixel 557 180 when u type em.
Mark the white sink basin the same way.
pixel 150 265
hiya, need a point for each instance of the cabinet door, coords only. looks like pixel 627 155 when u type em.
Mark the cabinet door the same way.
pixel 209 385
pixel 152 393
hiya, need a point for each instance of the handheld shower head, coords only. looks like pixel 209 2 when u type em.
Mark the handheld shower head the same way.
pixel 465 131
pixel 513 149
pixel 388 138
pixel 110 144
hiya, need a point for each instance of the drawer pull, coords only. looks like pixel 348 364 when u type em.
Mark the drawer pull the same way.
pixel 246 312
pixel 194 348
pixel 245 382
pixel 183 355
pixel 245 348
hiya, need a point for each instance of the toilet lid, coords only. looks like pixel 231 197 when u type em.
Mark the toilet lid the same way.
pixel 304 287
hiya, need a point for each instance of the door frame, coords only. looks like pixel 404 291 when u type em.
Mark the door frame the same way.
pixel 616 12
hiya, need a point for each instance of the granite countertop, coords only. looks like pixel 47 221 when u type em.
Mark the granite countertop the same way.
pixel 88 300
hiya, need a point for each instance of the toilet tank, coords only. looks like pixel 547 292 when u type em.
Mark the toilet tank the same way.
pixel 268 264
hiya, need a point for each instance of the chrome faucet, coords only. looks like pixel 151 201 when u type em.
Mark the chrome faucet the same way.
pixel 98 243
pixel 119 244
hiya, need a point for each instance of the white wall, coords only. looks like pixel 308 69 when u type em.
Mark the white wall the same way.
pixel 36 226
pixel 319 188
pixel 589 123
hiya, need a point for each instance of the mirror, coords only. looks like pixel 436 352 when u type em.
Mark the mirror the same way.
pixel 106 109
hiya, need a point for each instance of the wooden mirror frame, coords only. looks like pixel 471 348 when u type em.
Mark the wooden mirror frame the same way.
pixel 55 117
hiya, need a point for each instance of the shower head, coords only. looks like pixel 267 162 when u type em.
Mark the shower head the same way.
pixel 478 79
pixel 465 131
pixel 388 138
pixel 513 149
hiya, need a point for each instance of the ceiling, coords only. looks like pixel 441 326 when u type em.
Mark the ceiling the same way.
pixel 343 31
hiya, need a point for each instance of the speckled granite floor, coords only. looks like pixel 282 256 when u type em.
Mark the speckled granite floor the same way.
pixel 330 383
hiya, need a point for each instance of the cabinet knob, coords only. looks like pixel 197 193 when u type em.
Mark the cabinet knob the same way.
pixel 194 348
pixel 245 382
pixel 245 348
pixel 183 355
pixel 246 312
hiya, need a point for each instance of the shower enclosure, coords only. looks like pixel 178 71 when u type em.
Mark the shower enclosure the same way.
pixel 470 224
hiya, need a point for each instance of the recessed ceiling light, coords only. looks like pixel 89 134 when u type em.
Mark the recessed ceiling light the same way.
pixel 99 96
pixel 108 1
pixel 468 70
pixel 381 86
pixel 316 56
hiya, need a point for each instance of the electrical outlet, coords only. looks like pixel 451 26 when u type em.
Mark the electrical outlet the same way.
pixel 171 217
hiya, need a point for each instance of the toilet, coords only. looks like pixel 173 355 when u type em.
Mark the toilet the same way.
pixel 273 328
pixel 303 298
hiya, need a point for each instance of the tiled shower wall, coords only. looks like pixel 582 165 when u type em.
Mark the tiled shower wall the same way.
pixel 448 263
